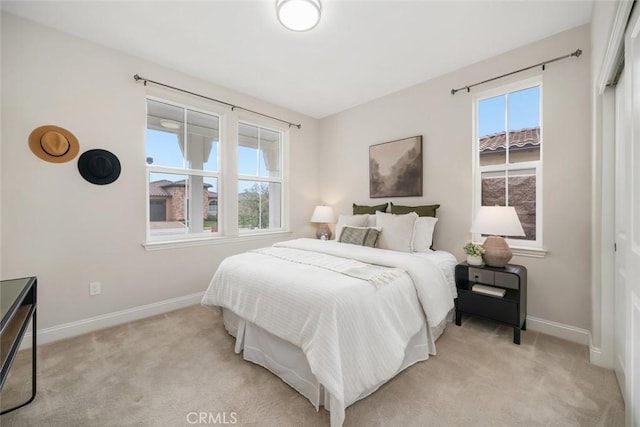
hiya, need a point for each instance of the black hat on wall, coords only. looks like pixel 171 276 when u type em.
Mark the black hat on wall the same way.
pixel 100 167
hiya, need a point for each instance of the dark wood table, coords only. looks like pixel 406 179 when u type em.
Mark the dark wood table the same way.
pixel 18 303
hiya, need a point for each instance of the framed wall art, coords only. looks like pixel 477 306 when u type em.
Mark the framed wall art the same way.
pixel 395 168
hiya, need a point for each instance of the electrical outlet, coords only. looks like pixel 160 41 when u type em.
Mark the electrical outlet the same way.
pixel 94 288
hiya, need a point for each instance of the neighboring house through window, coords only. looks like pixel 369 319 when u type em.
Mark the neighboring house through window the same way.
pixel 508 155
pixel 167 201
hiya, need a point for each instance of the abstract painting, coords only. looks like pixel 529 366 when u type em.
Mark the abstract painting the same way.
pixel 395 168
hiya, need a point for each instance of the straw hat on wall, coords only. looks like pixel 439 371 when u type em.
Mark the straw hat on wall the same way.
pixel 53 144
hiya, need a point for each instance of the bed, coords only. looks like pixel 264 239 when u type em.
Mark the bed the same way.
pixel 333 320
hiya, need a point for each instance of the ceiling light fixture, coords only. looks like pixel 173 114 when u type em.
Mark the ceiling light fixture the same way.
pixel 298 15
pixel 169 124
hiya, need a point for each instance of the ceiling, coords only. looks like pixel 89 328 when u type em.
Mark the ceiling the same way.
pixel 361 50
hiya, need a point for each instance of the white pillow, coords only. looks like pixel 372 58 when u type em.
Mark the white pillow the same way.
pixel 423 233
pixel 352 220
pixel 397 231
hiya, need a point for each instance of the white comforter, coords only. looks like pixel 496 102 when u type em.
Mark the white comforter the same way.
pixel 353 334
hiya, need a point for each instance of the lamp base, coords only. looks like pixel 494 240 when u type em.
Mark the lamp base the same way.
pixel 497 252
pixel 324 232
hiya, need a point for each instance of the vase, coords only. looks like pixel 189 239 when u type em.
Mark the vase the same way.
pixel 474 260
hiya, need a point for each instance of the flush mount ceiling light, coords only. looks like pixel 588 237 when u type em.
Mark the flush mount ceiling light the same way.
pixel 298 15
pixel 169 124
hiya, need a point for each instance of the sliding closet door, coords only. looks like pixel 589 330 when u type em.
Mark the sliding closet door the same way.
pixel 632 358
pixel 622 207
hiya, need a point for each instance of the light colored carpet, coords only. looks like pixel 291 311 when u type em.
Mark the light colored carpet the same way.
pixel 156 371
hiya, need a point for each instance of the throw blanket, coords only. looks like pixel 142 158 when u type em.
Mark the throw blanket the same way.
pixel 353 334
pixel 374 274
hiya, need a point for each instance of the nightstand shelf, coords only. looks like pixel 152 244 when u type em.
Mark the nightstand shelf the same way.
pixel 510 309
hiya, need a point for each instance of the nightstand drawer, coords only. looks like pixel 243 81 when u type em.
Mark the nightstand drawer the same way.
pixel 506 280
pixel 494 308
pixel 478 275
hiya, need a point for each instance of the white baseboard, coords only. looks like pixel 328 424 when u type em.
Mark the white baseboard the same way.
pixel 68 330
pixel 569 333
pixel 72 329
pixel 595 355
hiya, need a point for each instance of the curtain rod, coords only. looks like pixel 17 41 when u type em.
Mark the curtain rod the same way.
pixel 577 54
pixel 233 107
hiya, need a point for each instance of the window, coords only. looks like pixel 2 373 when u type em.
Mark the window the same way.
pixel 260 178
pixel 182 151
pixel 195 191
pixel 508 155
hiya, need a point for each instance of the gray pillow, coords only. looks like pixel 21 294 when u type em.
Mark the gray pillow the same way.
pixel 363 236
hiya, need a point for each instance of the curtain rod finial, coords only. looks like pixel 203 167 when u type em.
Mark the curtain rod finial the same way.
pixel 577 53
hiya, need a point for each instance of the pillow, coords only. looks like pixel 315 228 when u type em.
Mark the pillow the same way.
pixel 371 220
pixel 426 210
pixel 363 236
pixel 353 220
pixel 397 231
pixel 362 209
pixel 423 233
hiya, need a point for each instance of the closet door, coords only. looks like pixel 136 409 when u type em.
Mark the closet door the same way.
pixel 622 207
pixel 632 249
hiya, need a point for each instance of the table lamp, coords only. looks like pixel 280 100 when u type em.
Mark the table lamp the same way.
pixel 497 221
pixel 322 215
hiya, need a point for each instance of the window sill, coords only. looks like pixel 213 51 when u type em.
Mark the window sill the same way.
pixel 529 252
pixel 525 251
pixel 206 241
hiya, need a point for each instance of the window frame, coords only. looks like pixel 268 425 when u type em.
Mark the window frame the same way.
pixel 537 165
pixel 257 178
pixel 227 176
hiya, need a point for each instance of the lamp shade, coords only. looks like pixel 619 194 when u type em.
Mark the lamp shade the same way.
pixel 323 214
pixel 298 15
pixel 497 221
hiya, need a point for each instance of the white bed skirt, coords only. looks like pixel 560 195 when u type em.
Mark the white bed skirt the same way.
pixel 288 362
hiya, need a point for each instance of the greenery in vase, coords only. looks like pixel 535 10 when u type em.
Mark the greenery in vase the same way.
pixel 473 249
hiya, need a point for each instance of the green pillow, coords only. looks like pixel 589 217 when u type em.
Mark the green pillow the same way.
pixel 361 209
pixel 427 210
pixel 363 236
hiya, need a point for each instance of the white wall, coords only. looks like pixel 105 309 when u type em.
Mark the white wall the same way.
pixel 559 285
pixel 602 17
pixel 68 232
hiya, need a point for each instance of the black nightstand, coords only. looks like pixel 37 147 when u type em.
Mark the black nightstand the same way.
pixel 510 309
